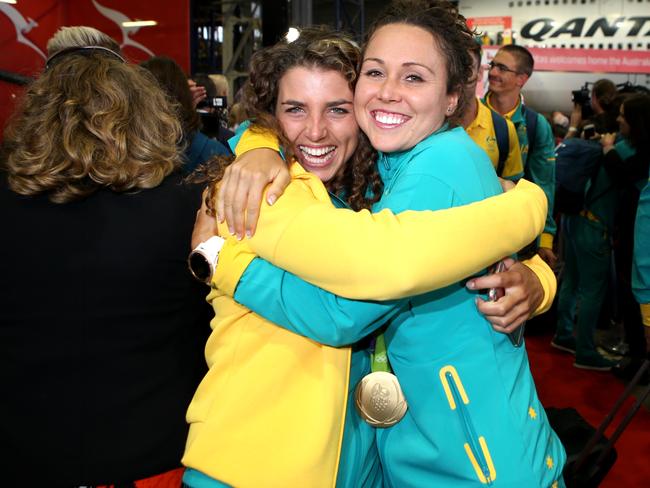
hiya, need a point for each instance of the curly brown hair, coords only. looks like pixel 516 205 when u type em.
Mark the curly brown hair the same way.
pixel 357 181
pixel 90 121
pixel 451 36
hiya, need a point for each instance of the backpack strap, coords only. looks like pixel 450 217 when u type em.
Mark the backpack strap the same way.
pixel 531 127
pixel 503 140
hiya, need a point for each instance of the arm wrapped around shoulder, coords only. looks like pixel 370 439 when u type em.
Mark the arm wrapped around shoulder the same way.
pixel 385 256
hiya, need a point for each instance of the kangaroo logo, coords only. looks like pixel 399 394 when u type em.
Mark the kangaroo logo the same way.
pixel 118 18
pixel 22 27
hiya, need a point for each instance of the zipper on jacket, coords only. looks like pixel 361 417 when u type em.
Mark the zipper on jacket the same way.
pixel 473 450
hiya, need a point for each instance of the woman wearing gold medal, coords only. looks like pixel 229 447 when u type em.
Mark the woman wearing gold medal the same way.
pixel 210 455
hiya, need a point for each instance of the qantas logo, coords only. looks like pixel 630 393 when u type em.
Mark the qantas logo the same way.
pixel 545 28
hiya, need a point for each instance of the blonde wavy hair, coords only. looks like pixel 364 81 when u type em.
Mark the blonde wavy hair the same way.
pixel 90 121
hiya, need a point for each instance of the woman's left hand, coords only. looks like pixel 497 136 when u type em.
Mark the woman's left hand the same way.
pixel 198 92
pixel 523 294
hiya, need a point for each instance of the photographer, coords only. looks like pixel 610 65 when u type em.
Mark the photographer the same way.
pixel 213 109
pixel 588 197
pixel 596 108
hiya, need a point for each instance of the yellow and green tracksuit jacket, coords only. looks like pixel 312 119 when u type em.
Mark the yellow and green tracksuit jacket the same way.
pixel 482 132
pixel 539 166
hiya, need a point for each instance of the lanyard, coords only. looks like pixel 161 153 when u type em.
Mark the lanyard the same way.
pixel 378 356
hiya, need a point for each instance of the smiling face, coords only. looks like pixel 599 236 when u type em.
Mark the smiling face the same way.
pixel 314 108
pixel 401 96
pixel 504 76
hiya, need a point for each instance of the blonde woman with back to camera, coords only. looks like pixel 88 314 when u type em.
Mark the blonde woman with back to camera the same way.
pixel 102 326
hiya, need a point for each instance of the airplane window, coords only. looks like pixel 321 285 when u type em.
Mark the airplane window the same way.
pixel 511 4
pixel 519 4
pixel 600 46
pixel 610 46
pixel 529 3
pixel 582 46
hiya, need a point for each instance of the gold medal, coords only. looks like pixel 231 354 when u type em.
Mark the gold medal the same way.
pixel 379 399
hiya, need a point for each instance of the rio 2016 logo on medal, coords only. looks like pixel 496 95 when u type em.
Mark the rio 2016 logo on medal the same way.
pixel 379 399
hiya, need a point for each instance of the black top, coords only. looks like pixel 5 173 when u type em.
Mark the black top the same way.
pixel 102 331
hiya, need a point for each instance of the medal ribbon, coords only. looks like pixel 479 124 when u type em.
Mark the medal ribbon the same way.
pixel 378 357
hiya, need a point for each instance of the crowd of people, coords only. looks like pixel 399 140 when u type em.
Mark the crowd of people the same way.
pixel 348 337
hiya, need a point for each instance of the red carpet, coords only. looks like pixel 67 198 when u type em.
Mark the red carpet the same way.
pixel 593 394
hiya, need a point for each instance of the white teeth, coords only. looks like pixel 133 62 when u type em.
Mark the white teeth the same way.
pixel 389 119
pixel 317 151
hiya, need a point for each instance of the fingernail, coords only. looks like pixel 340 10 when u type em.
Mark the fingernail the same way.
pixel 239 236
pixel 231 230
pixel 248 234
pixel 470 284
pixel 271 199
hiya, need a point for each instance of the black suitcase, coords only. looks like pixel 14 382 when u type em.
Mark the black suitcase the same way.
pixel 590 455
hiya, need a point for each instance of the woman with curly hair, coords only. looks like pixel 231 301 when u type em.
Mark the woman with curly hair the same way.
pixel 302 91
pixel 97 365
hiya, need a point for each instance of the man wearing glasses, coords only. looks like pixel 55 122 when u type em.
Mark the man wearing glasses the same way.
pixel 482 125
pixel 509 72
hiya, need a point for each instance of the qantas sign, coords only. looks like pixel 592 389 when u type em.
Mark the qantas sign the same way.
pixel 545 28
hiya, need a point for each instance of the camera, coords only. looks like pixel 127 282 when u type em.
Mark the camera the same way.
pixel 213 102
pixel 589 131
pixel 582 98
pixel 628 87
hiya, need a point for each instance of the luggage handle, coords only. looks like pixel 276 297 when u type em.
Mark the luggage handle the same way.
pixel 621 427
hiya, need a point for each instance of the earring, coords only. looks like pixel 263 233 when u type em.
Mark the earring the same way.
pixel 449 110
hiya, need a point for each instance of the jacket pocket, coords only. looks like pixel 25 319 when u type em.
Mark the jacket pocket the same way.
pixel 475 446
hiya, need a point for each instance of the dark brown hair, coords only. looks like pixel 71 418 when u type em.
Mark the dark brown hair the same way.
pixel 173 80
pixel 525 61
pixel 635 112
pixel 450 34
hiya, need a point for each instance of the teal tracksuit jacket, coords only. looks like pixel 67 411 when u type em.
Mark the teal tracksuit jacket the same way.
pixel 474 417
pixel 641 263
